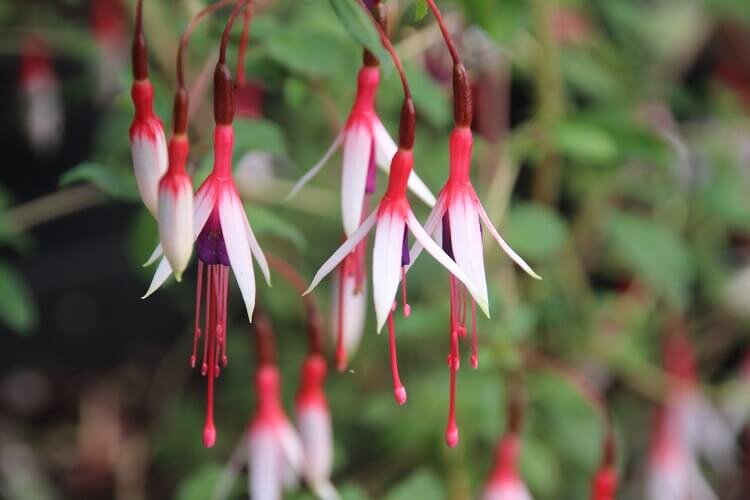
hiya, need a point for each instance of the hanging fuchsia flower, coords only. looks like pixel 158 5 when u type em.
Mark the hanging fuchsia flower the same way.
pixel 393 217
pixel 314 421
pixel 175 215
pixel 604 484
pixel 42 100
pixel 147 141
pixel 275 454
pixel 505 482
pixel 364 138
pixel 673 473
pixel 223 239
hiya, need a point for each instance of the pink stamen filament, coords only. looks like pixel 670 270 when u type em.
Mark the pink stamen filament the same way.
pixel 399 390
pixel 197 330
pixel 407 307
pixel 451 431
pixel 462 310
pixel 474 339
pixel 208 329
pixel 209 430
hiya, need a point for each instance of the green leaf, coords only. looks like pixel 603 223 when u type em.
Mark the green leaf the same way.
pixel 420 10
pixel 584 142
pixel 653 251
pixel 312 52
pixel 266 222
pixel 259 135
pixel 535 231
pixel 431 101
pixel 117 183
pixel 422 484
pixel 17 309
pixel 200 484
pixel 359 25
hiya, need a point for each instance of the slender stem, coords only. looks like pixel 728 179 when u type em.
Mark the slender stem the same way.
pixel 244 39
pixel 189 30
pixel 444 29
pixel 228 29
pixel 265 347
pixel 292 277
pixel 391 51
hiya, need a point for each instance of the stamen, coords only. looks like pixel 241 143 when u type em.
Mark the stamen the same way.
pixel 197 330
pixel 451 431
pixel 225 303
pixel 209 430
pixel 209 280
pixel 340 351
pixel 454 304
pixel 407 307
pixel 474 340
pixel 461 290
pixel 399 390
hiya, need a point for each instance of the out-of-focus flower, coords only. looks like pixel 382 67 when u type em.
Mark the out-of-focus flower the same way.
pixel 364 139
pixel 348 306
pixel 604 483
pixel 275 453
pixel 42 99
pixel 147 141
pixel 505 482
pixel 704 429
pixel 109 28
pixel 314 422
pixel 673 473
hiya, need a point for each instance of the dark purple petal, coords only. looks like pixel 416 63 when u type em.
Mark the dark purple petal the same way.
pixel 447 242
pixel 405 257
pixel 210 243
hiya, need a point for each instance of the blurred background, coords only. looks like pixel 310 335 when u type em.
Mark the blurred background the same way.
pixel 613 152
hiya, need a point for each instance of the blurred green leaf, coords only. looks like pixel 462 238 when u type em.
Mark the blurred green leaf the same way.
pixel 584 142
pixel 265 222
pixel 421 484
pixel 117 183
pixel 535 231
pixel 259 135
pixel 200 484
pixel 17 309
pixel 313 53
pixel 359 25
pixel 653 251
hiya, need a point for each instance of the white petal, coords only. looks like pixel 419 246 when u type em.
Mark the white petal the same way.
pixel 260 258
pixel 293 453
pixel 354 305
pixel 232 217
pixel 223 486
pixel 506 248
pixel 163 271
pixel 203 204
pixel 386 263
pixel 466 239
pixel 385 148
pixel 145 150
pixel 345 249
pixel 316 168
pixel 176 222
pixel 443 258
pixel 264 465
pixel 314 423
pixel 357 150
pixel 431 225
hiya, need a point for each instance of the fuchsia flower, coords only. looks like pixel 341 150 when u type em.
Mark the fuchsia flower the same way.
pixel 505 482
pixel 364 139
pixel 147 141
pixel 223 239
pixel 314 422
pixel 175 215
pixel 42 100
pixel 275 453
pixel 393 216
pixel 604 485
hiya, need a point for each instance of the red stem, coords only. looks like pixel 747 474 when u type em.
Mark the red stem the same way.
pixel 228 29
pixel 244 39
